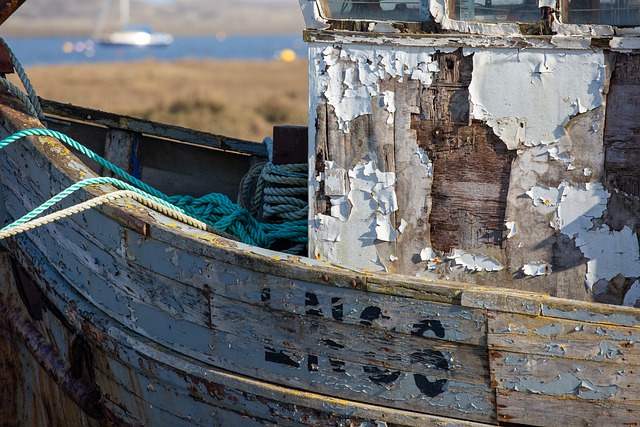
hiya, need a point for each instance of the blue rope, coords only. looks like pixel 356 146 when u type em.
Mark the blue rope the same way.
pixel 214 209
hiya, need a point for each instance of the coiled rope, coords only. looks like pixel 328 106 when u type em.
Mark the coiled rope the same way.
pixel 280 191
pixel 215 210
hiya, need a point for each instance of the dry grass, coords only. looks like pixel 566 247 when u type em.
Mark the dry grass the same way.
pixel 244 99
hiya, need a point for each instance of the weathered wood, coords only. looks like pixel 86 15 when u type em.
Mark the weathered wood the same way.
pixel 471 166
pixel 581 341
pixel 71 112
pixel 547 382
pixel 622 143
pixel 536 410
pixel 167 165
pixel 120 148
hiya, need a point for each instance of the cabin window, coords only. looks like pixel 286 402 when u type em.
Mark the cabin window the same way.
pixel 609 12
pixel 495 10
pixel 374 10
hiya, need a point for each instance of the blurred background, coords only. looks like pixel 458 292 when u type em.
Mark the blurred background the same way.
pixel 230 67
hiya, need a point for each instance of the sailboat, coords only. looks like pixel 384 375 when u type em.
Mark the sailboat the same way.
pixel 129 34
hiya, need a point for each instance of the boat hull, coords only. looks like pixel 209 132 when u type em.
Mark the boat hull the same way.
pixel 170 325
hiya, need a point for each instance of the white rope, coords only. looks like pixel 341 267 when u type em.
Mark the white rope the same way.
pixel 80 207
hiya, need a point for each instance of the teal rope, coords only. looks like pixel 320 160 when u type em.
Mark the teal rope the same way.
pixel 214 209
pixel 278 202
pixel 31 93
pixel 18 93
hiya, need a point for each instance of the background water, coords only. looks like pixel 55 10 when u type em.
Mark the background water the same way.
pixel 48 51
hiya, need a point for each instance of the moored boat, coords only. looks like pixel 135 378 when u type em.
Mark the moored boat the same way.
pixel 473 232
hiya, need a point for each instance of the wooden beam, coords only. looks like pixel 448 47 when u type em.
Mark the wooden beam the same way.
pixel 146 127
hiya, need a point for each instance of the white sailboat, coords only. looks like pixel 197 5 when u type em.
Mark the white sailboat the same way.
pixel 129 34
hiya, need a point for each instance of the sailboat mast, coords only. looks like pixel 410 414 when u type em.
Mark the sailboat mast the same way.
pixel 124 12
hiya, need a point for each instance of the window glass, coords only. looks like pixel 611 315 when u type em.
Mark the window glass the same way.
pixel 495 10
pixel 611 12
pixel 377 10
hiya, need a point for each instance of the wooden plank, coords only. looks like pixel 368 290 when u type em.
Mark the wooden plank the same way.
pixel 542 364
pixel 621 140
pixel 503 300
pixel 471 166
pixel 169 166
pixel 6 65
pixel 119 149
pixel 292 295
pixel 557 376
pixel 190 170
pixel 413 178
pixel 356 344
pixel 590 312
pixel 582 341
pixel 115 121
pixel 584 389
pixel 536 410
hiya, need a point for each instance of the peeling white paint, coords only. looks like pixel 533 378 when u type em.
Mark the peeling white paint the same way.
pixel 537 268
pixel 424 159
pixel 555 153
pixel 358 219
pixel 544 198
pixel 473 262
pixel 428 255
pixel 632 296
pixel 579 209
pixel 525 116
pixel 348 77
pixel 403 225
pixel 513 229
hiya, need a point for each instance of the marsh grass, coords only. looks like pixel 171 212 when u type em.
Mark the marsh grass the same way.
pixel 244 99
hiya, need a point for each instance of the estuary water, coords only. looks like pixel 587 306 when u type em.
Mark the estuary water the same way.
pixel 61 50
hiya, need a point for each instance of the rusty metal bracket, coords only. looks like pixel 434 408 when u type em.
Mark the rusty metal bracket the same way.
pixel 7 7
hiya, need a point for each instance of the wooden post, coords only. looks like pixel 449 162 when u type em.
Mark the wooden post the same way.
pixel 118 149
pixel 6 67
pixel 290 144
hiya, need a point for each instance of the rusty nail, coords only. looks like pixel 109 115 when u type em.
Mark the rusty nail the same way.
pixel 354 283
pixel 325 278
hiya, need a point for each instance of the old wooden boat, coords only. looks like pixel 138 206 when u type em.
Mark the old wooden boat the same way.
pixel 473 194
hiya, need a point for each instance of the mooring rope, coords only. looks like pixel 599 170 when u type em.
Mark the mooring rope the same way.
pixel 34 102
